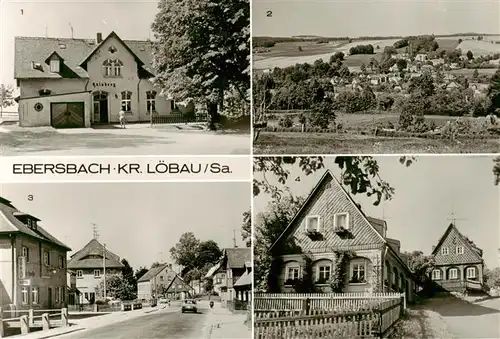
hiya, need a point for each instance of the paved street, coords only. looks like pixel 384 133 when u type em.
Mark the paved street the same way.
pixel 134 140
pixel 169 323
pixel 469 320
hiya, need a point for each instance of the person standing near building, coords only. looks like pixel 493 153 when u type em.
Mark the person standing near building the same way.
pixel 122 118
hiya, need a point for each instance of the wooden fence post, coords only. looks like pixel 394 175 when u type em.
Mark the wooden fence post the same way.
pixel 31 317
pixel 1 323
pixel 64 317
pixel 45 322
pixel 25 328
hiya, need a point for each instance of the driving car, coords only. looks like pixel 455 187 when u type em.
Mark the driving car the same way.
pixel 189 305
pixel 163 301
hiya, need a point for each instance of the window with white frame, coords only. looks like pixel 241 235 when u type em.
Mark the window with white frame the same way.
pixel 46 258
pixel 312 223
pixel 436 274
pixel 79 274
pixel 358 272
pixel 341 220
pixel 126 101
pixel 150 102
pixel 26 253
pixel 117 68
pixel 97 273
pixel 107 66
pixel 470 273
pixel 453 273
pixel 55 65
pixel 292 273
pixel 323 273
pixel 459 250
pixel 24 295
pixel 35 295
pixel 444 250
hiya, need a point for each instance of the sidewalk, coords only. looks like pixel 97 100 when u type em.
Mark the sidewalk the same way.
pixel 77 325
pixel 227 325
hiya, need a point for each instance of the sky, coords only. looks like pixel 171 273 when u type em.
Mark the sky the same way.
pixel 131 20
pixel 136 221
pixel 426 193
pixel 371 18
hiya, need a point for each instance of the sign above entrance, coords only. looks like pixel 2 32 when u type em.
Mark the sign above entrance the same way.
pixel 103 84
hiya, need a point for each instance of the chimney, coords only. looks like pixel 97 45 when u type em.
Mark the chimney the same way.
pixel 99 38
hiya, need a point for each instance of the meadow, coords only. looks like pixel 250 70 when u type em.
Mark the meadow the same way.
pixel 288 54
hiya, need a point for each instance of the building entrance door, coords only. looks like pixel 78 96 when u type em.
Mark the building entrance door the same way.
pixel 49 298
pixel 101 107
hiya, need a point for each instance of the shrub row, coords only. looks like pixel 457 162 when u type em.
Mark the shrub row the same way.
pixel 380 133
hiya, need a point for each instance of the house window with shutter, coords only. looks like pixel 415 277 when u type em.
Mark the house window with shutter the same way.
pixel 341 220
pixel 312 223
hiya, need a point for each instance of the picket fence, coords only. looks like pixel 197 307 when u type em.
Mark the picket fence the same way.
pixel 348 315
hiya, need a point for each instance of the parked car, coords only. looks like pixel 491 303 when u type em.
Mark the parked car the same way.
pixel 189 305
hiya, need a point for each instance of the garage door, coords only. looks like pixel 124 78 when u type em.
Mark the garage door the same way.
pixel 67 115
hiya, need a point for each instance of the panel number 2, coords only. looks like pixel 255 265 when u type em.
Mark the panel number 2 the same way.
pixel 269 14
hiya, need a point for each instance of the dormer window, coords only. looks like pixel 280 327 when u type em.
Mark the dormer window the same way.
pixel 55 65
pixel 444 251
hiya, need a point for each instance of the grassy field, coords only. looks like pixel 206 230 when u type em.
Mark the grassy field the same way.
pixel 317 143
pixel 287 53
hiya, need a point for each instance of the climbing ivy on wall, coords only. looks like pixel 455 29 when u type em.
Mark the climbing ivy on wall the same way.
pixel 340 270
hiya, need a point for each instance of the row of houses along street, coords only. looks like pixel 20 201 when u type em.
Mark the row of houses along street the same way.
pixel 98 291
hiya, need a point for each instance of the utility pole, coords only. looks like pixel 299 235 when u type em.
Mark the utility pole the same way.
pixel 234 238
pixel 46 31
pixel 104 266
pixel 71 30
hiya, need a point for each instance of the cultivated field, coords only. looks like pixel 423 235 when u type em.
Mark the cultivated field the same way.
pixel 287 53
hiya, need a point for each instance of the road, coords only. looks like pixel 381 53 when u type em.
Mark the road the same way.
pixel 469 320
pixel 162 324
pixel 136 140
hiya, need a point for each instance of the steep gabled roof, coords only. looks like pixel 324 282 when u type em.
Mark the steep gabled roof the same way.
pixel 96 48
pixel 84 258
pixel 74 52
pixel 327 177
pixel 173 286
pixel 153 272
pixel 237 257
pixel 474 255
pixel 9 223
